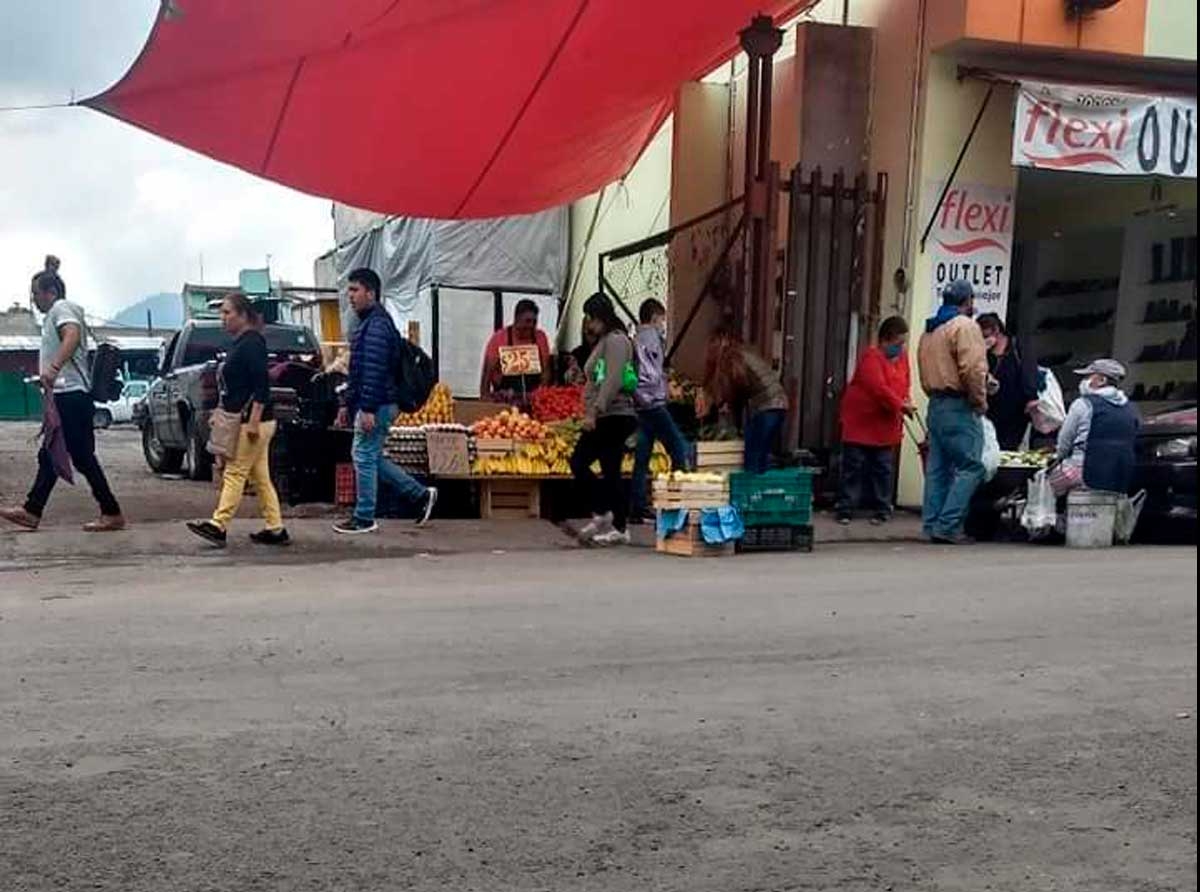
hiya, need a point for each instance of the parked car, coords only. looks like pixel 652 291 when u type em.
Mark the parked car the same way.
pixel 120 410
pixel 174 416
pixel 1166 449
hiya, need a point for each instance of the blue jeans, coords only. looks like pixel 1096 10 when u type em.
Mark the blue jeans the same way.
pixel 656 423
pixel 370 467
pixel 762 432
pixel 954 470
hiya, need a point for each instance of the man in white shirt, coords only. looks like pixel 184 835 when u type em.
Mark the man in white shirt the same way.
pixel 64 375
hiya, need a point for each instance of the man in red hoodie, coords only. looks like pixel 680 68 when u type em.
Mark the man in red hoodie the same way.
pixel 873 408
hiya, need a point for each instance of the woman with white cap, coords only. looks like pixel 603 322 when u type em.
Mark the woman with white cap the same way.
pixel 1096 442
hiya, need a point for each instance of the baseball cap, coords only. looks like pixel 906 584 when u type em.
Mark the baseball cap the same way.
pixel 1109 368
pixel 957 293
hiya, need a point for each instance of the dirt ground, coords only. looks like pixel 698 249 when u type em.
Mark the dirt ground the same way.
pixel 865 719
pixel 142 495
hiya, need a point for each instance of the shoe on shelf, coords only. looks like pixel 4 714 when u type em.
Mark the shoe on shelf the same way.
pixel 271 537
pixel 352 526
pixel 108 523
pixel 611 537
pixel 21 518
pixel 600 523
pixel 209 532
pixel 431 497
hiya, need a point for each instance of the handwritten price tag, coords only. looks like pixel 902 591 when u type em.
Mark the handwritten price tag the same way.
pixel 521 359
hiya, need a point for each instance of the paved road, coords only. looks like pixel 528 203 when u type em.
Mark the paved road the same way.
pixel 595 721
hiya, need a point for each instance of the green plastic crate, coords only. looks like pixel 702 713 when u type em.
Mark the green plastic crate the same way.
pixel 776 498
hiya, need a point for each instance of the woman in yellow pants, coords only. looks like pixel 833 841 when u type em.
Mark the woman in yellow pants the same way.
pixel 246 390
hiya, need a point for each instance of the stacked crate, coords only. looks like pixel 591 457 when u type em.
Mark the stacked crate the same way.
pixel 720 456
pixel 677 492
pixel 776 508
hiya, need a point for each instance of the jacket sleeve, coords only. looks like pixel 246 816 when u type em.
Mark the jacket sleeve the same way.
pixel 1079 416
pixel 260 379
pixel 970 354
pixel 375 371
pixel 1029 374
pixel 616 353
pixel 873 378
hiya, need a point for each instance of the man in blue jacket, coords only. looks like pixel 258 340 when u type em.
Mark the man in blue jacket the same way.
pixel 370 402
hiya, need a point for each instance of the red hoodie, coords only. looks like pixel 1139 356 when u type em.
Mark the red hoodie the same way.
pixel 872 408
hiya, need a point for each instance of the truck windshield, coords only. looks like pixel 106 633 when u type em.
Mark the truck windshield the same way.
pixel 205 344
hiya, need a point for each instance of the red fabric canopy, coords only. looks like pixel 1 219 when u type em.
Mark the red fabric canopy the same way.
pixel 430 108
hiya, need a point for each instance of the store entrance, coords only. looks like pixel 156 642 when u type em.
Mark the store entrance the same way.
pixel 1106 266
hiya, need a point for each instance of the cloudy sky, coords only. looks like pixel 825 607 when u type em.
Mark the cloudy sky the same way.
pixel 128 213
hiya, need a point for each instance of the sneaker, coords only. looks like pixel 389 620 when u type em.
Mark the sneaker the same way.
pixel 106 524
pixel 960 539
pixel 843 520
pixel 209 532
pixel 601 523
pixel 611 537
pixel 21 518
pixel 880 519
pixel 431 496
pixel 354 527
pixel 271 537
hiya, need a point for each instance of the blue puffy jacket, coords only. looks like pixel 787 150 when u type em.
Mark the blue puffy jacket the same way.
pixel 372 362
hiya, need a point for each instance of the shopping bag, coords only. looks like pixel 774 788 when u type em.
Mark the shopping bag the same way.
pixel 1040 517
pixel 1129 509
pixel 991 449
pixel 1051 410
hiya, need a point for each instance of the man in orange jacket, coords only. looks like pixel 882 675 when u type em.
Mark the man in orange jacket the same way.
pixel 873 408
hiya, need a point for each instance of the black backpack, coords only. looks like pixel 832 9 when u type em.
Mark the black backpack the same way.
pixel 106 373
pixel 414 375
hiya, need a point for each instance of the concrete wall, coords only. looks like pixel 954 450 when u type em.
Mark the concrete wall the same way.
pixel 1171 29
pixel 630 210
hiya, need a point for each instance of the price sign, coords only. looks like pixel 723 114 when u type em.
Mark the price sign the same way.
pixel 520 359
pixel 449 454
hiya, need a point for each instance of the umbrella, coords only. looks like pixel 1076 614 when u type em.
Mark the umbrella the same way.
pixel 428 108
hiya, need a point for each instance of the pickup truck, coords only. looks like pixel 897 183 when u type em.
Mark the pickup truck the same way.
pixel 174 416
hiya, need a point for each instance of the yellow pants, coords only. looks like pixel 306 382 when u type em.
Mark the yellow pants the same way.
pixel 250 463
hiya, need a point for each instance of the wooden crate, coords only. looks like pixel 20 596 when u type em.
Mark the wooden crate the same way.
pixel 674 494
pixel 508 498
pixel 492 448
pixel 689 542
pixel 720 455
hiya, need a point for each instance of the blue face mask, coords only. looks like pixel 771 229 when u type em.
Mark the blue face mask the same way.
pixel 893 351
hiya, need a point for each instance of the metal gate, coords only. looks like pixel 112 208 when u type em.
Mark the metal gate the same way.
pixel 832 281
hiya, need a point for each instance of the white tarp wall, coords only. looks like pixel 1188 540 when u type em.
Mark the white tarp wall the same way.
pixel 467 262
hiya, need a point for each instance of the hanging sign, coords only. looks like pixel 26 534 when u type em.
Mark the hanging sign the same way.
pixel 520 359
pixel 1093 130
pixel 971 239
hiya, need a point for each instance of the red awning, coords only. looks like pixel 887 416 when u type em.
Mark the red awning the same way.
pixel 431 108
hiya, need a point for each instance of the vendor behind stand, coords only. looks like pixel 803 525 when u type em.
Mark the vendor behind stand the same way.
pixel 1016 376
pixel 493 383
pixel 1096 443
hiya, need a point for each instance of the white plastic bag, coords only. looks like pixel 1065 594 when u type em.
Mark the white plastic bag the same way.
pixel 1129 510
pixel 991 449
pixel 1040 516
pixel 1051 410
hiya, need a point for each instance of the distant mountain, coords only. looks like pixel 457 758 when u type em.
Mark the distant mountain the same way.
pixel 166 311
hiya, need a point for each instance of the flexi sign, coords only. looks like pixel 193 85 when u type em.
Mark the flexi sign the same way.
pixel 971 239
pixel 1092 130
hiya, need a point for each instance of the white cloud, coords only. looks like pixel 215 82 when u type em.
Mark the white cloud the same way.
pixel 128 213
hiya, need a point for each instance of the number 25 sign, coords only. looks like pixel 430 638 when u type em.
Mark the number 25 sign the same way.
pixel 520 359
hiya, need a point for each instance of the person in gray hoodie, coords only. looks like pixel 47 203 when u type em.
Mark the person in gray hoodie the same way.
pixel 609 420
pixel 650 398
pixel 1096 442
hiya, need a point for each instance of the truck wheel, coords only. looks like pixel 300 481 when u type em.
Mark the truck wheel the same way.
pixel 160 459
pixel 199 462
pixel 102 419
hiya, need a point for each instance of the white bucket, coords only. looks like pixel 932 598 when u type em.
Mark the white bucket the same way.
pixel 1091 518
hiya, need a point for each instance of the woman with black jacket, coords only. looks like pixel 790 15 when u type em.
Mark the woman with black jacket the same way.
pixel 246 391
pixel 1016 376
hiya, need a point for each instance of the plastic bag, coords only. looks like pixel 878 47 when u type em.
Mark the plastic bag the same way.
pixel 1128 512
pixel 1051 410
pixel 991 449
pixel 1040 517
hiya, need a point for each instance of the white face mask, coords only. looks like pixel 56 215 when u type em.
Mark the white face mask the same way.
pixel 1086 386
